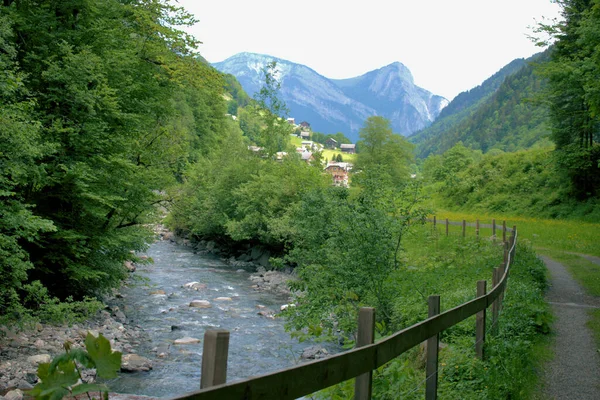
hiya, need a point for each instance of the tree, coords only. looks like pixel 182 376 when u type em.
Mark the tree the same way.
pixel 380 147
pixel 274 135
pixel 574 94
pixel 117 102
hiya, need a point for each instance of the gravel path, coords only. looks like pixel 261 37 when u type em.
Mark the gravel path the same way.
pixel 574 373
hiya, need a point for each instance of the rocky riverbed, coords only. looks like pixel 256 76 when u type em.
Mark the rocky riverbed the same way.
pixel 22 351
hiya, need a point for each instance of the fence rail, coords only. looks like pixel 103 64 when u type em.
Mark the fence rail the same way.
pixel 310 377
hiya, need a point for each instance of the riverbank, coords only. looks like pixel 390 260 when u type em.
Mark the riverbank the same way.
pixel 22 350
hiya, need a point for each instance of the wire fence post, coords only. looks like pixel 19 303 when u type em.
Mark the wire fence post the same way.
pixel 480 321
pixel 433 345
pixel 366 336
pixel 214 358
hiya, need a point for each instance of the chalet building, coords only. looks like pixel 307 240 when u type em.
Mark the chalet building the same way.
pixel 305 125
pixel 291 121
pixel 331 143
pixel 307 156
pixel 339 172
pixel 305 135
pixel 348 148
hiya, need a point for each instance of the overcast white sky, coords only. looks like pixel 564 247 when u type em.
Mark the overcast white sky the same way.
pixel 449 45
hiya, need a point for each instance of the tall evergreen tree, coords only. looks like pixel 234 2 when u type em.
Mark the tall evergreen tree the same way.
pixel 573 94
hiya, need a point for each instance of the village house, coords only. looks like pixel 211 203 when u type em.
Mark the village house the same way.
pixel 331 143
pixel 304 125
pixel 291 121
pixel 305 135
pixel 339 172
pixel 348 148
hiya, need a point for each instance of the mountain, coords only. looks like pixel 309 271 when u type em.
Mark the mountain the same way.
pixel 342 105
pixel 501 113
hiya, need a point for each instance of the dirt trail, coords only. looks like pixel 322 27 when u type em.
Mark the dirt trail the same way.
pixel 574 373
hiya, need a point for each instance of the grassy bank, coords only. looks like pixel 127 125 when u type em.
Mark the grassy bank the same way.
pixel 450 267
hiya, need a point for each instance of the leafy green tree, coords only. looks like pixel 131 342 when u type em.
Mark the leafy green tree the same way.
pixel 347 250
pixel 108 105
pixel 274 135
pixel 380 147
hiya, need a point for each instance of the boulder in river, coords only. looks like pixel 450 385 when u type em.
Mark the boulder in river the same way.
pixel 223 299
pixel 186 340
pixel 134 363
pixel 314 353
pixel 160 292
pixel 200 304
pixel 195 285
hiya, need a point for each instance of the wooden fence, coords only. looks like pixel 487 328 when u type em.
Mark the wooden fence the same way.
pixel 310 377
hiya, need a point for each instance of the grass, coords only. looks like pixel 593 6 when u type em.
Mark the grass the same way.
pixel 450 267
pixel 327 153
pixel 559 240
pixel 563 235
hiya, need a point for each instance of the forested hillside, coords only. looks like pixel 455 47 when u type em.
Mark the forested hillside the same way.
pixel 506 112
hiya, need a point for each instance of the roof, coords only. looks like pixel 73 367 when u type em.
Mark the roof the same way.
pixel 306 155
pixel 347 146
pixel 331 140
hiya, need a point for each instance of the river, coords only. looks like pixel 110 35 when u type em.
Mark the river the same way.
pixel 257 344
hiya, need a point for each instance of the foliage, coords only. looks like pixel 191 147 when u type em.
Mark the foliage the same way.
pixel 271 111
pixel 346 248
pixel 442 265
pixel 383 151
pixel 574 95
pixel 339 137
pixel 102 106
pixel 521 183
pixel 62 377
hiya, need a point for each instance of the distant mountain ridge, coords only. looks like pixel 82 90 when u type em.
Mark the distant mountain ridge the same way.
pixel 498 114
pixel 342 105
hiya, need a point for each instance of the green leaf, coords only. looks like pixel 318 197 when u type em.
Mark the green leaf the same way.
pixel 82 357
pixel 107 362
pixel 54 383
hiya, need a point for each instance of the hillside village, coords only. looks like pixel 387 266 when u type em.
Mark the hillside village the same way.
pixel 306 149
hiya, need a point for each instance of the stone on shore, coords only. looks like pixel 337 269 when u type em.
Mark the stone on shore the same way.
pixel 223 299
pixel 39 359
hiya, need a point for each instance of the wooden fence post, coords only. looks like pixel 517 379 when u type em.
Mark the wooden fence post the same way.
pixel 494 229
pixel 504 231
pixel 434 222
pixel 514 237
pixel 446 226
pixel 433 344
pixel 214 358
pixel 366 335
pixel 464 226
pixel 477 228
pixel 501 270
pixel 495 304
pixel 506 244
pixel 480 322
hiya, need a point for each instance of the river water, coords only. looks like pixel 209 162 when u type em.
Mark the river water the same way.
pixel 257 344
